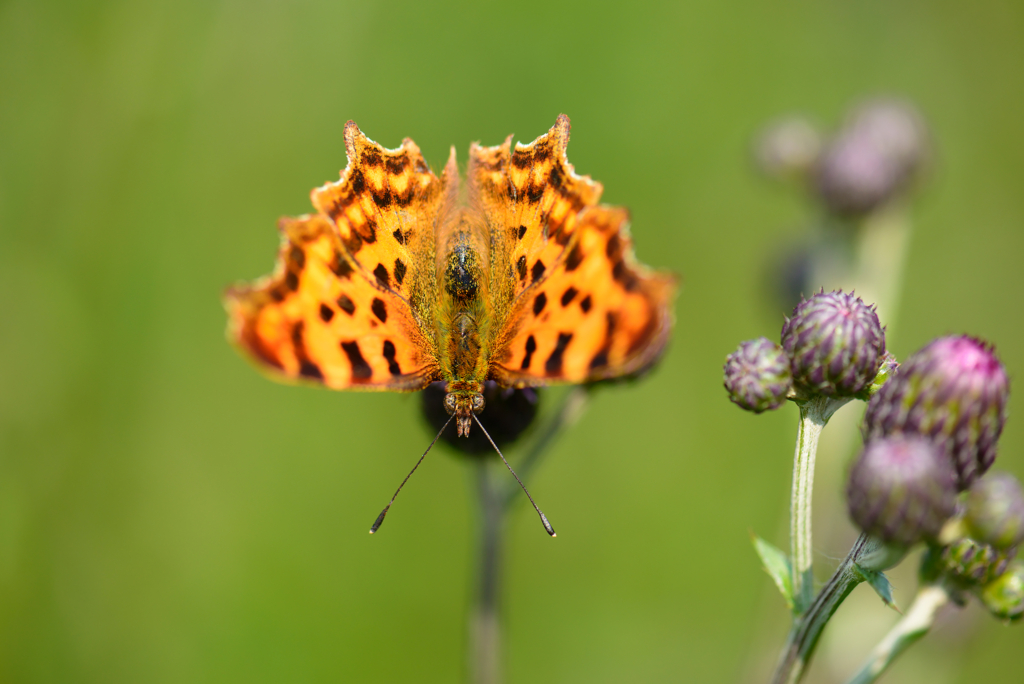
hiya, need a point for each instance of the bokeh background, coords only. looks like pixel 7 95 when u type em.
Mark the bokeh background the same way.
pixel 169 515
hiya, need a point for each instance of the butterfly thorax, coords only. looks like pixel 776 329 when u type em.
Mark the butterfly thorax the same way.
pixel 463 325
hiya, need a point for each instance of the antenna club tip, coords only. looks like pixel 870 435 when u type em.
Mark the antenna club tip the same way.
pixel 553 535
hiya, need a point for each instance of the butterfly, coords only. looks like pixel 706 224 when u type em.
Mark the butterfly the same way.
pixel 402 278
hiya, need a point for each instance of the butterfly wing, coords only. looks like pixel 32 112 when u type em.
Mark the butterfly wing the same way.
pixel 346 305
pixel 585 310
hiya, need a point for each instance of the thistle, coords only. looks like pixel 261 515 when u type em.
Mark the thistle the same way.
pixel 835 344
pixel 872 159
pixel 1004 596
pixel 757 375
pixel 971 563
pixel 953 391
pixel 901 490
pixel 995 510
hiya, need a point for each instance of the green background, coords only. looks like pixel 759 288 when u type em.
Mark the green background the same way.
pixel 169 515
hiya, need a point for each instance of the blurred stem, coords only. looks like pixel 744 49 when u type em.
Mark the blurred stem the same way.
pixel 881 250
pixel 574 403
pixel 485 625
pixel 915 624
pixel 814 415
pixel 807 628
pixel 485 658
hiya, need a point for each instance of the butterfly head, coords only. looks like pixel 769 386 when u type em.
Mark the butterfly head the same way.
pixel 463 404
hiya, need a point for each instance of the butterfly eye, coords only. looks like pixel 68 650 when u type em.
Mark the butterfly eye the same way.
pixel 478 403
pixel 449 403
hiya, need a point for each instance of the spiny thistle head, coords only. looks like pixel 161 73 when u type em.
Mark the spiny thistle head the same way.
pixel 835 343
pixel 872 158
pixel 1004 596
pixel 953 391
pixel 971 563
pixel 995 510
pixel 901 490
pixel 757 375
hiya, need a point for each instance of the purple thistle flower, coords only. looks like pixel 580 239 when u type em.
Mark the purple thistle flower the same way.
pixel 954 391
pixel 872 159
pixel 995 510
pixel 835 344
pixel 757 375
pixel 901 490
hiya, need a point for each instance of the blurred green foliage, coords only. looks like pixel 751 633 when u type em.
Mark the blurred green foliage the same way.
pixel 169 515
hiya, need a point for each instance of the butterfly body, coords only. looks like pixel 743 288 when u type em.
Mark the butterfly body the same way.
pixel 400 279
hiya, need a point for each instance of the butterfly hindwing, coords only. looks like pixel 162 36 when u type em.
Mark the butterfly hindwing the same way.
pixel 318 318
pixel 598 315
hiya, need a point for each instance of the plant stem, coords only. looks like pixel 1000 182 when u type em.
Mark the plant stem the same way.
pixel 814 415
pixel 485 625
pixel 485 658
pixel 915 624
pixel 807 628
pixel 574 403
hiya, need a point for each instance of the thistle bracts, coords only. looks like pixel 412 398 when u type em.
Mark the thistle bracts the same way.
pixel 995 510
pixel 835 345
pixel 757 375
pixel 953 391
pixel 1004 596
pixel 901 490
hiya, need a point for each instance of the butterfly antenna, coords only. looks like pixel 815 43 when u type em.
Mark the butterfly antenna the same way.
pixel 543 518
pixel 380 518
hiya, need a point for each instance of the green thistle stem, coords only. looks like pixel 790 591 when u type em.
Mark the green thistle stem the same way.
pixel 918 619
pixel 807 628
pixel 814 415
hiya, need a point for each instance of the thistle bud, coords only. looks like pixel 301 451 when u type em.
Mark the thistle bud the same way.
pixel 757 375
pixel 995 510
pixel 835 344
pixel 970 563
pixel 872 158
pixel 953 391
pixel 1004 596
pixel 901 490
pixel 788 148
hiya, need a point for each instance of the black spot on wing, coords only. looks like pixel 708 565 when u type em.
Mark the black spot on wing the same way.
pixel 398 236
pixel 538 303
pixel 360 369
pixel 521 267
pixel 379 310
pixel 298 257
pixel 346 304
pixel 357 181
pixel 399 271
pixel 586 304
pixel 307 368
pixel 522 232
pixel 537 271
pixel 381 273
pixel 569 295
pixel 326 313
pixel 396 165
pixel 574 259
pixel 340 266
pixel 389 355
pixel 291 280
pixel 531 346
pixel 600 360
pixel 553 366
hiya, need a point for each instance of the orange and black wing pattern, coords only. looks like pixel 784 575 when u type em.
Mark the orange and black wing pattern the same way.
pixel 345 306
pixel 583 309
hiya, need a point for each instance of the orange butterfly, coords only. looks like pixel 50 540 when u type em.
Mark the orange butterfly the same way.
pixel 399 280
